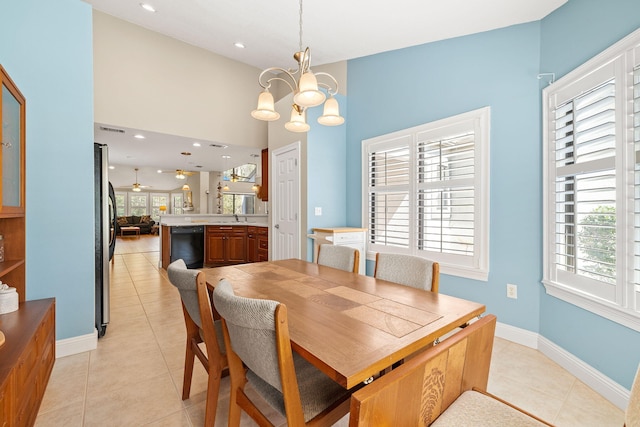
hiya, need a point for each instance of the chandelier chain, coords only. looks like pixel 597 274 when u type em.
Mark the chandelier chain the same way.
pixel 300 47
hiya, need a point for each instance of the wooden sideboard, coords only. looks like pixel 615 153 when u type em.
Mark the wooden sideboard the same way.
pixel 26 360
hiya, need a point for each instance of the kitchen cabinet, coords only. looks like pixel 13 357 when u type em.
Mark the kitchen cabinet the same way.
pixel 12 185
pixel 263 193
pixel 257 244
pixel 263 244
pixel 252 244
pixel 225 245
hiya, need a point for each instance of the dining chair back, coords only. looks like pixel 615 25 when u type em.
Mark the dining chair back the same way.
pixel 408 270
pixel 341 257
pixel 442 386
pixel 201 327
pixel 256 334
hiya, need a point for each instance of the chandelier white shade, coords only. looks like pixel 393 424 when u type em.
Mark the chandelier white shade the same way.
pixel 305 86
pixel 266 110
pixel 331 113
pixel 298 121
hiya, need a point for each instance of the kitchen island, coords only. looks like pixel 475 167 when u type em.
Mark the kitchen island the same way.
pixel 214 240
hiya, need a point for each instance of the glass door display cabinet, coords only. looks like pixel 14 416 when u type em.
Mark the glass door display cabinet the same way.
pixel 12 188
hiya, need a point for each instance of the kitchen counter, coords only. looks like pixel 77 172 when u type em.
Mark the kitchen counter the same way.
pixel 204 219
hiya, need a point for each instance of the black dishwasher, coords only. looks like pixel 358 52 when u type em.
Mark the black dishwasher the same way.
pixel 188 243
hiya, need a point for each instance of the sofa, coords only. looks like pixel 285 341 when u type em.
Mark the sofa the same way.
pixel 144 222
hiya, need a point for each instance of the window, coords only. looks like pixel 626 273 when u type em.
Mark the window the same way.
pixel 157 200
pixel 592 184
pixel 426 193
pixel 176 203
pixel 138 204
pixel 235 203
pixel 243 173
pixel 121 204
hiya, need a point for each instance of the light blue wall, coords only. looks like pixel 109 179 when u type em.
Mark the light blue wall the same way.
pixel 416 85
pixel 407 87
pixel 612 349
pixel 326 172
pixel 46 47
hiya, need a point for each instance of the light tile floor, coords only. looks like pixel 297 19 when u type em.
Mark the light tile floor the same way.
pixel 134 377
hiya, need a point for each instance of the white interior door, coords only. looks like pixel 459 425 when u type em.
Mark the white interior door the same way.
pixel 285 163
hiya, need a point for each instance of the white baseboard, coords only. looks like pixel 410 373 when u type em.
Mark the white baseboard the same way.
pixel 517 335
pixel 603 385
pixel 75 345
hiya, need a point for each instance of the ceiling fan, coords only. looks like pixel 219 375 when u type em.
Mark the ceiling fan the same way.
pixel 235 176
pixel 136 186
pixel 180 173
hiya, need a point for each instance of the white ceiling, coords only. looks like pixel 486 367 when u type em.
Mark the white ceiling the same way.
pixel 335 30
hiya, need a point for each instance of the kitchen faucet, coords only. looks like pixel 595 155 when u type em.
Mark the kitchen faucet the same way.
pixel 236 215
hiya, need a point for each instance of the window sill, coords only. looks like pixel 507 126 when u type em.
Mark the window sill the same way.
pixel 623 316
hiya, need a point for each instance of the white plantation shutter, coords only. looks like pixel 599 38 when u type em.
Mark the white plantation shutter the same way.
pixel 585 187
pixel 426 191
pixel 592 185
pixel 388 177
pixel 446 212
pixel 635 289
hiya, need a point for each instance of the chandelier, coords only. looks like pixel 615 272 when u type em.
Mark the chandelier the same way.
pixel 304 86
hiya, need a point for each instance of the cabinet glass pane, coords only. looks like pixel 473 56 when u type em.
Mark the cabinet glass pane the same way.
pixel 10 149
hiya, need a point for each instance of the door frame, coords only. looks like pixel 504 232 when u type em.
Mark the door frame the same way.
pixel 275 195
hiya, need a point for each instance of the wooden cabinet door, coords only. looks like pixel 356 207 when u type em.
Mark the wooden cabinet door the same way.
pixel 263 244
pixel 252 244
pixel 236 247
pixel 7 397
pixel 214 252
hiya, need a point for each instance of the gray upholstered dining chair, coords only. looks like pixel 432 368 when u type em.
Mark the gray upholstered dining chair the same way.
pixel 408 270
pixel 256 334
pixel 341 257
pixel 201 327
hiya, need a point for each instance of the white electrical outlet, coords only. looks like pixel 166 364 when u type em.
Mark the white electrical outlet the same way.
pixel 318 211
pixel 512 291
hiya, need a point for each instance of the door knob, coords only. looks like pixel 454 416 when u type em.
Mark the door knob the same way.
pixel 277 226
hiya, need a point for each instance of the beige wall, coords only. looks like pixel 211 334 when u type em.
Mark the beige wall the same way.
pixel 148 81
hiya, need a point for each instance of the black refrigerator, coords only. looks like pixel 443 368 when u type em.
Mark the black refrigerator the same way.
pixel 105 233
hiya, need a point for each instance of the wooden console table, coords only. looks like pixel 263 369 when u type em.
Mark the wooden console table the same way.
pixel 26 360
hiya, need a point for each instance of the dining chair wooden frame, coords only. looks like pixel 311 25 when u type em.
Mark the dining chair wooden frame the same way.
pixel 435 383
pixel 293 409
pixel 340 257
pixel 215 360
pixel 409 259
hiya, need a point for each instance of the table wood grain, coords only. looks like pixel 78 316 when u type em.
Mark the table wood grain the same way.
pixel 348 325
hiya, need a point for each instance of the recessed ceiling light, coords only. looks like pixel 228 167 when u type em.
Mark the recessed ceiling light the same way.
pixel 147 7
pixel 196 144
pixel 159 170
pixel 225 156
pixel 138 136
pixel 112 167
pixel 239 45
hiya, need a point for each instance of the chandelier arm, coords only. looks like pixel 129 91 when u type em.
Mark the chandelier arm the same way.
pixel 266 85
pixel 327 86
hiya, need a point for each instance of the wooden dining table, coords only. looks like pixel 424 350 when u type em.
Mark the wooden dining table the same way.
pixel 348 325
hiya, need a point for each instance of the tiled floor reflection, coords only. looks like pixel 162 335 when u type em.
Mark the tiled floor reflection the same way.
pixel 134 377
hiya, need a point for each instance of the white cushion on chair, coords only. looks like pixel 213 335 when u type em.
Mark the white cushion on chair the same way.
pixel 477 409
